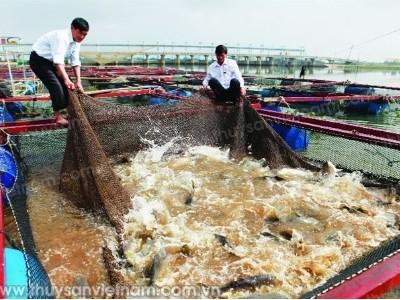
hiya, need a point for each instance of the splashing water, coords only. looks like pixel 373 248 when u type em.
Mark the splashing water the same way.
pixel 201 218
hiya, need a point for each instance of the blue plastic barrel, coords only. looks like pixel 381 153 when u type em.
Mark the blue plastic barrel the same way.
pixel 161 101
pixel 366 107
pixel 180 92
pixel 269 92
pixel 359 90
pixel 297 139
pixel 271 106
pixel 158 101
pixel 5 116
pixel 16 280
pixel 14 107
pixel 376 108
pixel 8 168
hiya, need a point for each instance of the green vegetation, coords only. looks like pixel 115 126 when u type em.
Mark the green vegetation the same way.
pixel 367 66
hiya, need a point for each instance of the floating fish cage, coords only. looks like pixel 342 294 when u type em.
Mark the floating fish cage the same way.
pixel 32 146
pixel 329 98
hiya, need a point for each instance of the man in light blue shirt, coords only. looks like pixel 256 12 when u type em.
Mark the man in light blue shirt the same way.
pixel 224 78
pixel 48 58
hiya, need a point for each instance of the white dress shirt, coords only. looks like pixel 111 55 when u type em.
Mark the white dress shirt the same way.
pixel 224 73
pixel 57 45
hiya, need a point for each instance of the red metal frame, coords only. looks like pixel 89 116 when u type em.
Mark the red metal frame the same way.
pixel 100 94
pixel 350 131
pixel 19 127
pixel 334 98
pixel 371 283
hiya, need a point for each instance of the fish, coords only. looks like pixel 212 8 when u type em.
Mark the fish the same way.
pixel 276 178
pixel 222 239
pixel 286 234
pixel 248 283
pixel 329 169
pixel 122 159
pixel 227 246
pixel 270 235
pixel 355 209
pixel 393 220
pixel 123 262
pixel 294 174
pixel 151 272
pixel 189 197
pixel 272 218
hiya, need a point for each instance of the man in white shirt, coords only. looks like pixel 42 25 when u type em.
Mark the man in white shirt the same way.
pixel 224 77
pixel 47 62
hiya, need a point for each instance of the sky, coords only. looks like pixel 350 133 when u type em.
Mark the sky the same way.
pixel 354 29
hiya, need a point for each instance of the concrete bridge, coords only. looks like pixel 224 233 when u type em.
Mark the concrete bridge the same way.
pixel 162 54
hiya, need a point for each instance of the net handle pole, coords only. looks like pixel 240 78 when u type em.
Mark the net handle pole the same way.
pixel 10 73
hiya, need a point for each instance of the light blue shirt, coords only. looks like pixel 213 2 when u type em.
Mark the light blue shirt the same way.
pixel 57 45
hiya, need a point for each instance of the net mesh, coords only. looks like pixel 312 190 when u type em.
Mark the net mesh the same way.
pixel 38 284
pixel 99 132
pixel 355 155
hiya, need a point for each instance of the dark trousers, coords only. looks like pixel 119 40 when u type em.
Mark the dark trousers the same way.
pixel 224 95
pixel 46 71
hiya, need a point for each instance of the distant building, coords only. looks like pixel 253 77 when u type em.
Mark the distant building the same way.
pixel 9 40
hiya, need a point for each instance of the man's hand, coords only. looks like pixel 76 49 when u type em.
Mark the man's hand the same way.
pixel 69 84
pixel 242 91
pixel 79 86
pixel 204 89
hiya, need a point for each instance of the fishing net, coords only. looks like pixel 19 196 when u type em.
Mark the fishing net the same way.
pixel 102 132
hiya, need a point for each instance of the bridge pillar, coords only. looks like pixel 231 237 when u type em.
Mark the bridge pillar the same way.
pixel 178 61
pixel 290 61
pixel 192 59
pixel 312 61
pixel 99 59
pixel 206 59
pixel 268 61
pixel 247 60
pixel 162 60
pixel 146 59
pixel 259 61
pixel 132 59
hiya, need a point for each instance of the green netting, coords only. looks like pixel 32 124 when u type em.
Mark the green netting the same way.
pixel 355 155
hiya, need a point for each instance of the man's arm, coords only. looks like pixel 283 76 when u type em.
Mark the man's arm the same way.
pixel 238 76
pixel 58 49
pixel 207 78
pixel 63 74
pixel 76 65
pixel 77 73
